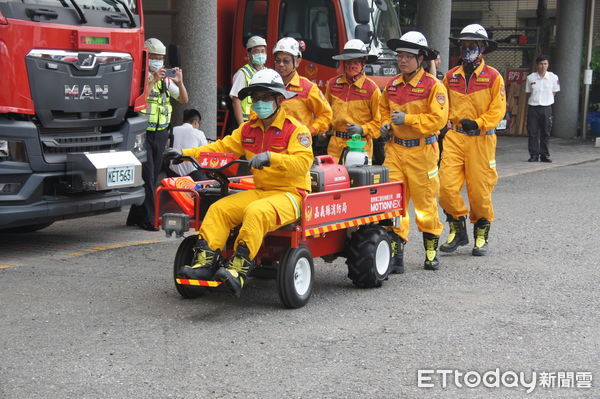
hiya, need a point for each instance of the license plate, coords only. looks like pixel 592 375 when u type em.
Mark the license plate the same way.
pixel 389 71
pixel 120 176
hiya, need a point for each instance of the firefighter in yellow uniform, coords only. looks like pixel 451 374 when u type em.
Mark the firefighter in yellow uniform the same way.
pixel 280 154
pixel 413 108
pixel 354 99
pixel 309 106
pixel 477 101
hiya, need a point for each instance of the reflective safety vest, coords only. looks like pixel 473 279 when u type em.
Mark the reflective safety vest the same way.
pixel 248 71
pixel 159 107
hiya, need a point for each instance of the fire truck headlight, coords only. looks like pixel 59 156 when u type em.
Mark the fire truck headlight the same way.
pixel 13 151
pixel 140 139
pixel 3 149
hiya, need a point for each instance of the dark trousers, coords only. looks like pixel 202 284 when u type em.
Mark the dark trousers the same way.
pixel 155 146
pixel 539 126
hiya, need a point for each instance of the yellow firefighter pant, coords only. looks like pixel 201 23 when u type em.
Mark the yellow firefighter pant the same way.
pixel 257 211
pixel 471 159
pixel 337 144
pixel 417 168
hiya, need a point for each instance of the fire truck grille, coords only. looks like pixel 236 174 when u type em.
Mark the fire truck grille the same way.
pixel 56 146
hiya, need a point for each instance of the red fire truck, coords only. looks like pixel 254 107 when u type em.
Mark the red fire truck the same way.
pixel 323 25
pixel 71 138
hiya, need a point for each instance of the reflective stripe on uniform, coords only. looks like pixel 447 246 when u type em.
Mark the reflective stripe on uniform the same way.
pixel 433 173
pixel 159 108
pixel 295 203
pixel 246 103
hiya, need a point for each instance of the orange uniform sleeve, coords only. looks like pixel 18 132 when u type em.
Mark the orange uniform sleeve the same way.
pixel 384 108
pixel 497 108
pixel 437 116
pixel 371 129
pixel 231 143
pixel 321 110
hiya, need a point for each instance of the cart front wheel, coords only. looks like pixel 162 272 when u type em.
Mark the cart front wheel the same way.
pixel 183 257
pixel 295 277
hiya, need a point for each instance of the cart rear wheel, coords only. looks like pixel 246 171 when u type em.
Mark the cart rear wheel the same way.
pixel 295 277
pixel 183 257
pixel 369 255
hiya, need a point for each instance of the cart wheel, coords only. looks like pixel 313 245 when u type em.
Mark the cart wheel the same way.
pixel 183 257
pixel 295 277
pixel 369 255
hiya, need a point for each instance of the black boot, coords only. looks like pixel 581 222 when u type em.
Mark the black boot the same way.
pixel 205 263
pixel 430 242
pixel 238 267
pixel 397 260
pixel 481 231
pixel 457 236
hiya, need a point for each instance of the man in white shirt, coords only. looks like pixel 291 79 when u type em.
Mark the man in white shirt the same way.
pixel 188 135
pixel 541 86
pixel 257 56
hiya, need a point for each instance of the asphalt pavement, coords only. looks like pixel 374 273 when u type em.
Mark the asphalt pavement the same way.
pixel 89 310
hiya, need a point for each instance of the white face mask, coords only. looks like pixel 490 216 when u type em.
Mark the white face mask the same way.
pixel 155 65
pixel 259 59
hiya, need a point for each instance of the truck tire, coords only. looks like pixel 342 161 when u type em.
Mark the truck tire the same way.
pixel 25 229
pixel 295 277
pixel 369 255
pixel 183 257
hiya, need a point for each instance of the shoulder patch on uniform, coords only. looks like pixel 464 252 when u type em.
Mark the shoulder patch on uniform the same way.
pixel 441 98
pixel 304 139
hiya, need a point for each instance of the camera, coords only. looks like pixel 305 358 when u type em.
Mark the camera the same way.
pixel 170 73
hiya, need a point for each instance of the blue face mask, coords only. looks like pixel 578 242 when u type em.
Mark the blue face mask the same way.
pixel 471 55
pixel 259 59
pixel 263 109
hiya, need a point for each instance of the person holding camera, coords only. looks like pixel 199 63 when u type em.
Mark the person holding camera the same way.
pixel 160 89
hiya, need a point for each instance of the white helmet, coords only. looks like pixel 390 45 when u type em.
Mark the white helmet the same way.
pixel 412 42
pixel 475 32
pixel 255 41
pixel 353 49
pixel 288 45
pixel 155 46
pixel 265 79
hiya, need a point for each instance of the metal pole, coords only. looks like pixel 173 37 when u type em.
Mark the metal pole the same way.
pixel 567 65
pixel 587 77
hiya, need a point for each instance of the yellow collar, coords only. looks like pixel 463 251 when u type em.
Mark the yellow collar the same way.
pixel 477 71
pixel 414 81
pixel 295 80
pixel 277 122
pixel 358 83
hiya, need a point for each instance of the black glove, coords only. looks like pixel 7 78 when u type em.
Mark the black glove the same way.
pixel 260 160
pixel 468 125
pixel 173 154
pixel 384 132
